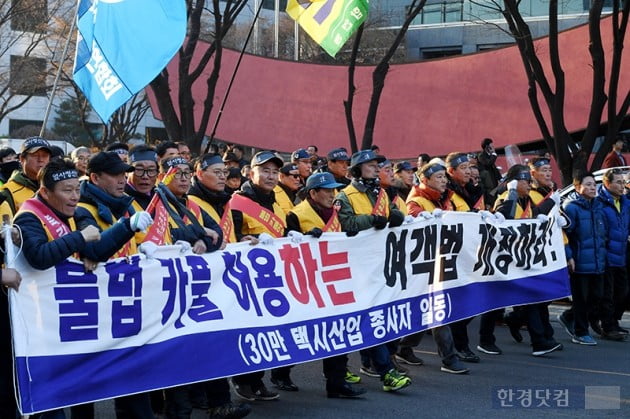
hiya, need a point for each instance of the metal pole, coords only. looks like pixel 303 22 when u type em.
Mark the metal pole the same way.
pixel 257 4
pixel 227 92
pixel 276 30
pixel 63 58
pixel 296 41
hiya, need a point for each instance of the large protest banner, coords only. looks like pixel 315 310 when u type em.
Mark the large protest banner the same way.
pixel 142 323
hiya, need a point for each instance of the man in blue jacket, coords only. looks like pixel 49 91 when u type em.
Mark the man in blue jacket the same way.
pixel 586 256
pixel 617 216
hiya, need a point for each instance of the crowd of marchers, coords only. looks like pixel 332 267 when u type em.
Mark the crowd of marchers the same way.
pixel 105 203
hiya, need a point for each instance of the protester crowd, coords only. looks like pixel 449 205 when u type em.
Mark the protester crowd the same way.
pixel 102 205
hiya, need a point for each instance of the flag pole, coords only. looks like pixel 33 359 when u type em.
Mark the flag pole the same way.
pixel 58 75
pixel 227 92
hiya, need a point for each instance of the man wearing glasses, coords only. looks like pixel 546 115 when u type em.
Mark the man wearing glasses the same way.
pixel 141 182
pixel 287 187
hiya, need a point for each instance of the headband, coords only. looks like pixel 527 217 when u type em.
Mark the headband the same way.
pixel 459 160
pixel 210 160
pixel 541 162
pixel 143 155
pixel 429 171
pixel 64 175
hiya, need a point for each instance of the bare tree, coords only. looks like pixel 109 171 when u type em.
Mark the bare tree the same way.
pixel 378 79
pixel 184 126
pixel 551 88
pixel 23 69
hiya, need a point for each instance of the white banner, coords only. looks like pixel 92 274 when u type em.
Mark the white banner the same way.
pixel 89 336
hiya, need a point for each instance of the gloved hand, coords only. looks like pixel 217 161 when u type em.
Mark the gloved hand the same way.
pixel 140 221
pixel 486 215
pixel 409 219
pixel 265 238
pixel 185 246
pixel 555 196
pixel 148 248
pixel 511 185
pixel 379 222
pixel 437 213
pixel 396 218
pixel 542 218
pixel 315 232
pixel 426 215
pixel 499 217
pixel 351 233
pixel 295 236
pixel 562 221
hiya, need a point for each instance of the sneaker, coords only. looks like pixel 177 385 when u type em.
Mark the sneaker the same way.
pixel 401 370
pixel 264 394
pixel 244 392
pixel 454 367
pixel 621 329
pixel 284 384
pixel 351 378
pixel 614 335
pixel 584 340
pixel 489 348
pixel 596 326
pixel 566 324
pixel 394 381
pixel 229 411
pixel 540 350
pixel 467 355
pixel 408 357
pixel 369 371
pixel 344 391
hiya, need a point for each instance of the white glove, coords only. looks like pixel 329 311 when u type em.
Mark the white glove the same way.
pixel 148 248
pixel 426 215
pixel 499 218
pixel 511 186
pixel 486 215
pixel 437 213
pixel 409 219
pixel 562 221
pixel 542 218
pixel 140 221
pixel 556 197
pixel 265 238
pixel 185 246
pixel 295 236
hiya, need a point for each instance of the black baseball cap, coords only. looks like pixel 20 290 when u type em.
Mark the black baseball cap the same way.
pixel 108 162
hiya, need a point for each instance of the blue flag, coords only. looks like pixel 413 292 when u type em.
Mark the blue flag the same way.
pixel 122 45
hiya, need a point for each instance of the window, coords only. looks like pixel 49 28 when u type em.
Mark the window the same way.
pixel 28 76
pixel 428 53
pixel 29 15
pixel 271 5
pixel 442 11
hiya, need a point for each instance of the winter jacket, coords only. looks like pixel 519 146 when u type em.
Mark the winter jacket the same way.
pixel 618 226
pixel 587 235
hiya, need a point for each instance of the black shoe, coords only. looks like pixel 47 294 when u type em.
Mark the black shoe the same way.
pixel 614 335
pixel 489 348
pixel 344 390
pixel 467 355
pixel 454 367
pixel 597 328
pixel 408 357
pixel 543 349
pixel 621 329
pixel 229 411
pixel 515 329
pixel 284 384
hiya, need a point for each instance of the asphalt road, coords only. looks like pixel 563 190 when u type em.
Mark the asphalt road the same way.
pixel 596 380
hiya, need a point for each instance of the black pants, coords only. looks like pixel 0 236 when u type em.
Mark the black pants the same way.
pixel 615 289
pixel 586 291
pixel 135 406
pixel 217 392
pixel 538 325
pixel 460 334
pixel 335 370
pixel 487 323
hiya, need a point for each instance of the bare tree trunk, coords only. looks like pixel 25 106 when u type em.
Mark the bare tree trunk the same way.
pixel 347 104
